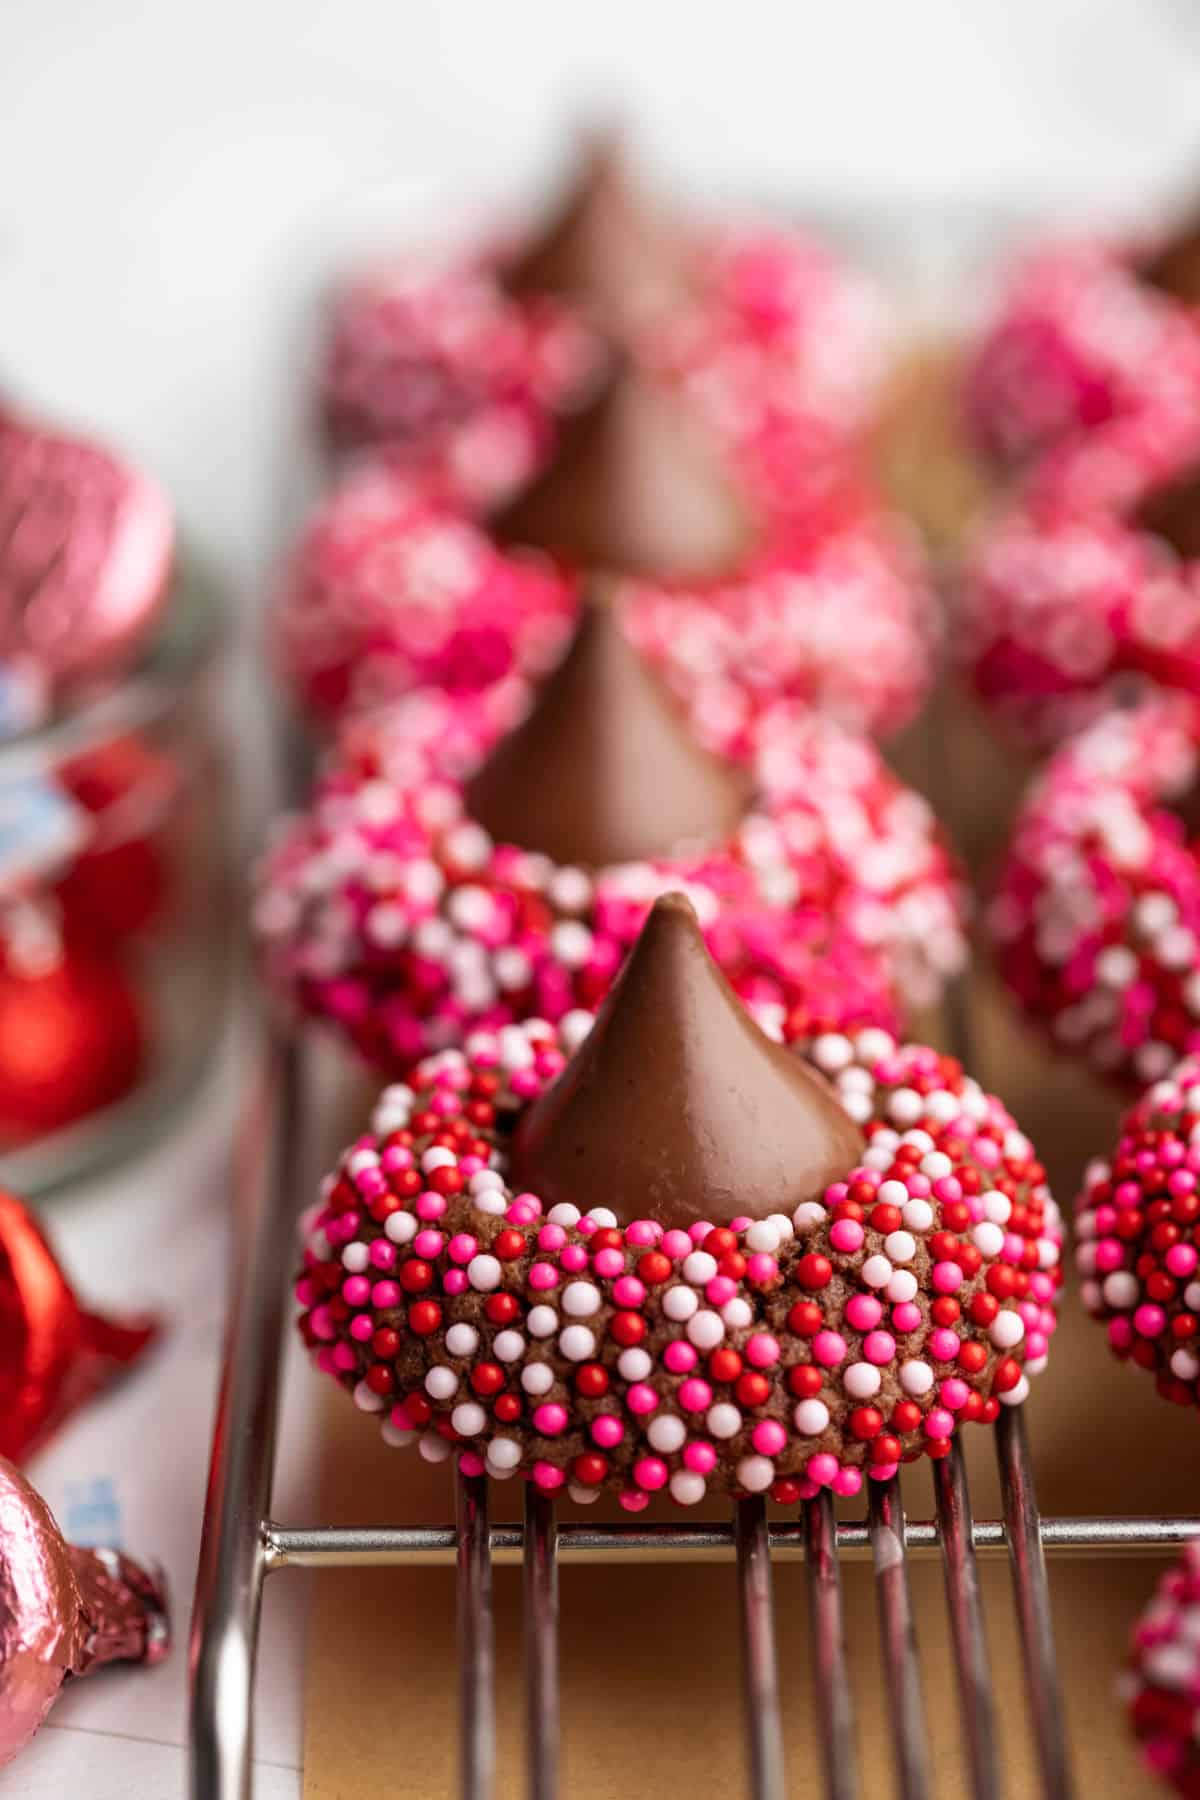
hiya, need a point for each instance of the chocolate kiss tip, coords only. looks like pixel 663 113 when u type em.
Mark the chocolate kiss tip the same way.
pixel 677 1107
pixel 601 245
pixel 634 488
pixel 603 769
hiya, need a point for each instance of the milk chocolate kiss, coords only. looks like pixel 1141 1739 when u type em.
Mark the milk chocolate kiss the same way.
pixel 1173 512
pixel 1174 268
pixel 676 1107
pixel 634 488
pixel 603 770
pixel 603 247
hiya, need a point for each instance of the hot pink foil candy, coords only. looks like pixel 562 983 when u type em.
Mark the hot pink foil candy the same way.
pixel 86 544
pixel 63 1611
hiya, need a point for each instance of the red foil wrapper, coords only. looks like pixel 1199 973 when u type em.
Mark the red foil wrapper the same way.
pixel 63 1611
pixel 87 544
pixel 54 1354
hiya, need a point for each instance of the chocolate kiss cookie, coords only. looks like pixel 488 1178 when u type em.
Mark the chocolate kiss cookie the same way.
pixel 892 1286
pixel 634 488
pixel 603 770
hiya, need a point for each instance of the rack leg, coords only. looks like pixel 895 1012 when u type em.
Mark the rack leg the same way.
pixel 760 1672
pixel 831 1676
pixel 965 1606
pixel 229 1577
pixel 541 1645
pixel 1023 1524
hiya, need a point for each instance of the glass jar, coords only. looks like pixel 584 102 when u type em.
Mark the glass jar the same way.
pixel 115 906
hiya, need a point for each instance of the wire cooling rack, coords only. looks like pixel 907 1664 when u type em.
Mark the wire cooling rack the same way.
pixel 242 1545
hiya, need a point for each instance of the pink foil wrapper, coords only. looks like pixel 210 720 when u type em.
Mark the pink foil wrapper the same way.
pixel 63 1611
pixel 86 545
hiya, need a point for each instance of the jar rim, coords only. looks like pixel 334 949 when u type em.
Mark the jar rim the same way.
pixel 183 647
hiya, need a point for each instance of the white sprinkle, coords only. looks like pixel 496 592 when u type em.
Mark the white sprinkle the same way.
pixel 699 1268
pixel 667 1433
pixel 509 1346
pixel 366 1399
pixel 902 1287
pixel 634 1364
pixel 1121 1289
pixel 441 1382
pixel 563 1214
pixel 679 1303
pixel 916 1378
pixel 755 1473
pixel 462 1340
pixel 861 1381
pixel 537 1378
pixel 877 1271
pixel 811 1417
pixel 577 1343
pixel 900 1246
pixel 483 1273
pixel 687 1487
pixel 723 1420
pixel 1006 1329
pixel 580 1299
pixel 542 1321
pixel 468 1419
pixel 918 1215
pixel 433 1448
pixel 504 1453
pixel 355 1257
pixel 705 1329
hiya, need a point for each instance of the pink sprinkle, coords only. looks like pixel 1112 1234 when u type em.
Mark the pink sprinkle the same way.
pixel 1120 1333
pixel 397 1158
pixel 382 1254
pixel 550 1419
pixel 906 1317
pixel 607 1430
pixel 879 1347
pixel 676 1244
pixel 608 1263
pixel 947 1276
pixel 768 1437
pixel 695 1395
pixel 574 1259
pixel 454 1281
pixel 522 1211
pixel 761 1268
pixel 679 1357
pixel 720 1290
pixel 1110 1254
pixel 953 1393
pixel 547 1477
pixel 430 1206
pixel 401 1418
pixel 829 1349
pixel 343 1357
pixel 863 1311
pixel 322 1322
pixel 700 1456
pixel 551 1237
pixel 629 1291
pixel 356 1290
pixel 943 1344
pixel 939 1423
pixel 882 1471
pixel 822 1468
pixel 471 1463
pixel 847 1236
pixel 762 1350
pixel 428 1244
pixel 1181 1259
pixel 362 1327
pixel 650 1472
pixel 543 1276
pixel 632 1500
pixel 641 1398
pixel 642 1233
pixel 1149 1321
pixel 847 1482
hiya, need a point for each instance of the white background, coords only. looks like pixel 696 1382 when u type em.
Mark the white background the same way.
pixel 174 175
pixel 176 182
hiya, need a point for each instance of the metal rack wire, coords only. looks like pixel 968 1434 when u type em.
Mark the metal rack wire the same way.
pixel 242 1545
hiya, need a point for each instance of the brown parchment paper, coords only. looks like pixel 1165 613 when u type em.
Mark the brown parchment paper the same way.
pixel 650 1685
